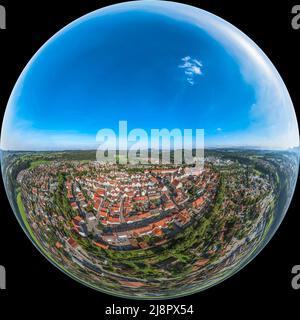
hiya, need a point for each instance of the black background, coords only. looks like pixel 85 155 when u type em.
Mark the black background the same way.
pixel 264 285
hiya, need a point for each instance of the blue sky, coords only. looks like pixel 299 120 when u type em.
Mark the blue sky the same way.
pixel 156 65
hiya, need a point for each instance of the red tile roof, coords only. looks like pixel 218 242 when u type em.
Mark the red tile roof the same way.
pixel 72 243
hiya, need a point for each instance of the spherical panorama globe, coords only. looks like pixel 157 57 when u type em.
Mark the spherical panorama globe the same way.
pixel 149 150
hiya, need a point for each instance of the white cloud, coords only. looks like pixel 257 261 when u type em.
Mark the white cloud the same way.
pixel 192 68
pixel 273 116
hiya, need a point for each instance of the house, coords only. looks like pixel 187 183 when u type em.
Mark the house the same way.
pixel 58 245
pixel 72 243
pixel 112 220
pixel 100 245
pixel 198 202
pixel 77 220
pixel 74 205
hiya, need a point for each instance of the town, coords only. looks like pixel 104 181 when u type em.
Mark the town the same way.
pixel 118 209
pixel 148 229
